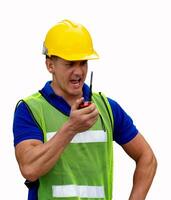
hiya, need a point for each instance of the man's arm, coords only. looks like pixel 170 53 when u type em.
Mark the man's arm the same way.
pixel 146 166
pixel 36 158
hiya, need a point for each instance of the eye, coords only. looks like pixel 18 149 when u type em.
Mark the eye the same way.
pixel 84 62
pixel 69 64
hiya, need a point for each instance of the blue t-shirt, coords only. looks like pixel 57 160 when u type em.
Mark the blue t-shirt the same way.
pixel 24 126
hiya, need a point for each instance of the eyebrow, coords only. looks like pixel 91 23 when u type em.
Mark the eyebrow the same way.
pixel 73 62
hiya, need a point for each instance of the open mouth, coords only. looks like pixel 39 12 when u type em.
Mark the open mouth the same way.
pixel 76 82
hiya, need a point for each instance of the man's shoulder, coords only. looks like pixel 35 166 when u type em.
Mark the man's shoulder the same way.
pixel 34 96
pixel 22 104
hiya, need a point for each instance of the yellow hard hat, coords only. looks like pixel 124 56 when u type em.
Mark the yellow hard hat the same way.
pixel 69 41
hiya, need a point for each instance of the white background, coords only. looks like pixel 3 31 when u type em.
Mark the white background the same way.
pixel 133 39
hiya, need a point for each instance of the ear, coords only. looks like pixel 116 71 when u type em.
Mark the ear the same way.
pixel 50 65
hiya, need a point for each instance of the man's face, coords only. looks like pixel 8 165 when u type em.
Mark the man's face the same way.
pixel 68 77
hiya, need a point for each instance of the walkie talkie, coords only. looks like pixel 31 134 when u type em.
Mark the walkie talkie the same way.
pixel 87 103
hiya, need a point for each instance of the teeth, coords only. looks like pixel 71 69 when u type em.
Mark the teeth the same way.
pixel 76 79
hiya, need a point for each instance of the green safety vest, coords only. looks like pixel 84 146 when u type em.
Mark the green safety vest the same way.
pixel 84 171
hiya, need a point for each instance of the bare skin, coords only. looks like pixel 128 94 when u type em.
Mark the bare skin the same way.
pixel 146 165
pixel 36 158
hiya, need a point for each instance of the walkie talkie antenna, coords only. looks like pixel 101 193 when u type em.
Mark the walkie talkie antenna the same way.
pixel 85 104
pixel 91 81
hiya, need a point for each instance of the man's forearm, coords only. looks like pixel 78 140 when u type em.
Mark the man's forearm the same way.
pixel 143 177
pixel 38 158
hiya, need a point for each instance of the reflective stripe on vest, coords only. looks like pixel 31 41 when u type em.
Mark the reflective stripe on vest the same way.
pixel 85 137
pixel 78 191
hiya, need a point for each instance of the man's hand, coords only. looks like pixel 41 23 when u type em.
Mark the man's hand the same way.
pixel 82 119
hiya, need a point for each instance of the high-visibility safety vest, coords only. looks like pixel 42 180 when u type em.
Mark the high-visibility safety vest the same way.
pixel 84 171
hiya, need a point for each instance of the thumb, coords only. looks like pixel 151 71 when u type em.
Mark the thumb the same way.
pixel 77 103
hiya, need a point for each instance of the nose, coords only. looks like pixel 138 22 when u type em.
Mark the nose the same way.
pixel 79 68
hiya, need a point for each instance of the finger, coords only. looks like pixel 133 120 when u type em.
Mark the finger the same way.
pixel 93 114
pixel 75 106
pixel 93 117
pixel 89 109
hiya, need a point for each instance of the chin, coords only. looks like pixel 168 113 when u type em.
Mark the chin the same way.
pixel 76 93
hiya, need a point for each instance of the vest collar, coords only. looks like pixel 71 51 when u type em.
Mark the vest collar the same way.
pixel 57 101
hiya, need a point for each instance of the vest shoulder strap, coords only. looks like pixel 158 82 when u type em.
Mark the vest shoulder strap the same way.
pixel 100 98
pixel 25 101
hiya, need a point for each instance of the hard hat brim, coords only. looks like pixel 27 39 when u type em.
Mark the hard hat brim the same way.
pixel 73 57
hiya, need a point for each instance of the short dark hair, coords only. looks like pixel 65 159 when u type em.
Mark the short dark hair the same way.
pixel 52 57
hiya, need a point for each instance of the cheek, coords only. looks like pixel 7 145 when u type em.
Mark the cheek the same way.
pixel 86 68
pixel 64 78
pixel 85 71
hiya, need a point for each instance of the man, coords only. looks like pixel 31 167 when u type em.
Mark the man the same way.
pixel 63 150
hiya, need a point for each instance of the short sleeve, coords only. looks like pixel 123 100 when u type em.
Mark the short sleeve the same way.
pixel 24 127
pixel 124 128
